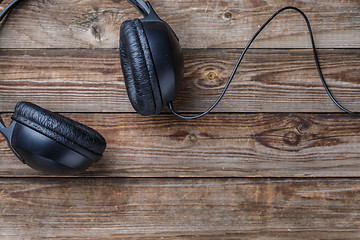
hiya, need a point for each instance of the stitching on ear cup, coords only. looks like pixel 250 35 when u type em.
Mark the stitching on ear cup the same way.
pixel 138 69
pixel 59 128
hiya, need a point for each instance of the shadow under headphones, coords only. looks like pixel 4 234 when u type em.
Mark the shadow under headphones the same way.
pixel 153 68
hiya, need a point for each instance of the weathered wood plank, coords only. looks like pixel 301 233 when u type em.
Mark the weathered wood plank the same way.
pixel 180 208
pixel 199 24
pixel 220 145
pixel 267 81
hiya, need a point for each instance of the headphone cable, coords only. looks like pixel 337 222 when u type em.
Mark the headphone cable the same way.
pixel 170 105
pixel 8 8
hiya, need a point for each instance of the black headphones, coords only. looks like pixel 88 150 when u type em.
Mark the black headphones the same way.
pixel 48 141
pixel 151 60
pixel 153 68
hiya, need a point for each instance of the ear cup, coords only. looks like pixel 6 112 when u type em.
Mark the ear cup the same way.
pixel 138 69
pixel 62 129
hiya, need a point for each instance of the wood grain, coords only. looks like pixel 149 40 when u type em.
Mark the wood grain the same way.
pixel 199 24
pixel 179 208
pixel 220 145
pixel 267 81
pixel 268 163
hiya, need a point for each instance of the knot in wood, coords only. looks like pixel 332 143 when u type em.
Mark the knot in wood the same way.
pixel 303 128
pixel 292 138
pixel 212 76
pixel 211 79
pixel 192 137
pixel 97 31
pixel 227 16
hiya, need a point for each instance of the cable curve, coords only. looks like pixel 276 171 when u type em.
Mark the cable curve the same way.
pixel 170 105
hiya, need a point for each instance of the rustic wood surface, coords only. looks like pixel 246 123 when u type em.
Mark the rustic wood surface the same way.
pixel 267 81
pixel 200 24
pixel 221 145
pixel 275 160
pixel 180 208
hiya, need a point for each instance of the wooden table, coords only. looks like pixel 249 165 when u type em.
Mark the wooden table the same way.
pixel 275 160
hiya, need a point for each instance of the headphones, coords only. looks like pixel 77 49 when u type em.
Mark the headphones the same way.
pixel 153 68
pixel 151 60
pixel 48 141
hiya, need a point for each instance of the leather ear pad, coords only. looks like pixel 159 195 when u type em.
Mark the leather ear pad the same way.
pixel 138 69
pixel 62 129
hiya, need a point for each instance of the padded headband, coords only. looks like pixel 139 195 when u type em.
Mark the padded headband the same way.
pixel 143 7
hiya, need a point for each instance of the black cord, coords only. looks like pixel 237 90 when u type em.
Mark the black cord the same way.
pixel 8 8
pixel 170 105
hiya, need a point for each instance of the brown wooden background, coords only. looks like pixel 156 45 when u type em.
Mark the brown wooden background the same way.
pixel 275 160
